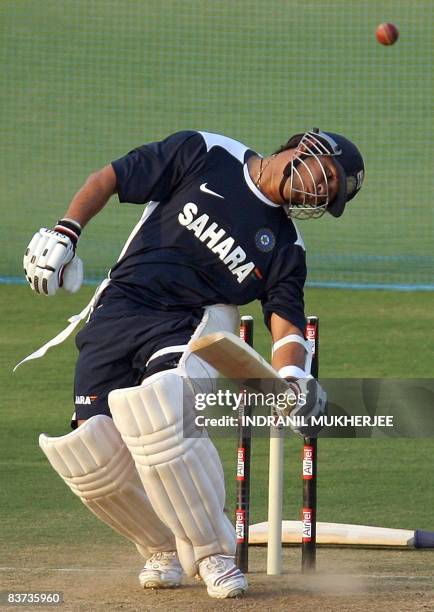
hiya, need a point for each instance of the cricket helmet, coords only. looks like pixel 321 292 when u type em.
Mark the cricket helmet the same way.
pixel 349 166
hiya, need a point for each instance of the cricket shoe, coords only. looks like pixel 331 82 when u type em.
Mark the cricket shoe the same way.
pixel 161 571
pixel 222 577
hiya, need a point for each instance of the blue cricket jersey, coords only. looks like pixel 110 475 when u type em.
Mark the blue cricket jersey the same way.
pixel 207 235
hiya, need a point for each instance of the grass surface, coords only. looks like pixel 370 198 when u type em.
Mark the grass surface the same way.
pixel 86 82
pixel 373 481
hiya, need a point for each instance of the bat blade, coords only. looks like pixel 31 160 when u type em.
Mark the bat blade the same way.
pixel 339 534
pixel 232 357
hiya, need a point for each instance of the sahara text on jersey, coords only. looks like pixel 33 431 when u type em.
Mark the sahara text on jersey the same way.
pixel 212 236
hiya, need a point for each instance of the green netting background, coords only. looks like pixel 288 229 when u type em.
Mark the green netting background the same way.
pixel 83 81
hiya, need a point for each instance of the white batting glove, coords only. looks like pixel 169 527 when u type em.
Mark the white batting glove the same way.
pixel 50 261
pixel 310 400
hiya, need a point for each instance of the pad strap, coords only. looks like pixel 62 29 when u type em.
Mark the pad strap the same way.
pixel 73 322
pixel 180 348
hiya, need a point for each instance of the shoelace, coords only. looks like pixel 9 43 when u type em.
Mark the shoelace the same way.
pixel 215 563
pixel 163 558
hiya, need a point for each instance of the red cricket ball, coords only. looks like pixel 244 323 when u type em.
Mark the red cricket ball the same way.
pixel 387 33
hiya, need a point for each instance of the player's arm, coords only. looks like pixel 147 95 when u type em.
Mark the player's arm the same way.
pixel 92 196
pixel 287 351
pixel 50 260
pixel 292 359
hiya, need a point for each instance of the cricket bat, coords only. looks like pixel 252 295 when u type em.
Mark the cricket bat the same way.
pixel 339 534
pixel 233 357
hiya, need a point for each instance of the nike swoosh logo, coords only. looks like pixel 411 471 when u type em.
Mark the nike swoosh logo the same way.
pixel 205 189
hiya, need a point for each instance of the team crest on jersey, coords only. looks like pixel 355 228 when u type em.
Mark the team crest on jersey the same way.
pixel 265 240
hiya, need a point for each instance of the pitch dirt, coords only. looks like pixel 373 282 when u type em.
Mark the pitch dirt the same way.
pixel 105 577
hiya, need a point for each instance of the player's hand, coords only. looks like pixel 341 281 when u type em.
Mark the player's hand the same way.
pixel 50 261
pixel 310 400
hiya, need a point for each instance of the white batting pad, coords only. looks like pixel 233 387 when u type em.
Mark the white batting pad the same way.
pixel 182 476
pixel 97 466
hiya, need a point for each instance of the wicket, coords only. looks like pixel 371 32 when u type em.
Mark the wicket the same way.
pixel 309 471
pixel 243 469
pixel 275 491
